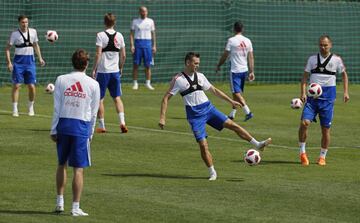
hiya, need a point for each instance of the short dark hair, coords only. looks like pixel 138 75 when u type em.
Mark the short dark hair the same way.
pixel 191 55
pixel 109 19
pixel 325 36
pixel 80 59
pixel 238 26
pixel 21 17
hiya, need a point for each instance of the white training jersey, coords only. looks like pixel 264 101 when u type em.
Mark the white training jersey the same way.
pixel 143 28
pixel 76 103
pixel 180 84
pixel 239 46
pixel 335 65
pixel 17 39
pixel 109 62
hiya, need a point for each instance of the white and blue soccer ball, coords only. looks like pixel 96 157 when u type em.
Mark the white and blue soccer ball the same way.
pixel 50 88
pixel 51 36
pixel 252 157
pixel 314 90
pixel 296 103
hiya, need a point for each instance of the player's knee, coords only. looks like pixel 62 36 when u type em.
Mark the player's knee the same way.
pixel 305 123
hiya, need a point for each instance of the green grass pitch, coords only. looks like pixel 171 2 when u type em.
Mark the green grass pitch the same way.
pixel 150 175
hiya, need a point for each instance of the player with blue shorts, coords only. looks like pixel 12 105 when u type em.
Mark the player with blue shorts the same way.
pixel 322 69
pixel 23 67
pixel 240 50
pixel 200 111
pixel 109 62
pixel 76 103
pixel 143 46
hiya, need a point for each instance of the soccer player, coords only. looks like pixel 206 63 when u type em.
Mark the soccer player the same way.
pixel 322 69
pixel 240 50
pixel 108 68
pixel 199 110
pixel 24 69
pixel 143 45
pixel 76 103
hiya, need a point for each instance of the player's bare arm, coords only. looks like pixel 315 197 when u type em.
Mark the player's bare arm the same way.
pixel 153 38
pixel 251 66
pixel 164 105
pixel 346 86
pixel 222 59
pixel 96 61
pixel 132 45
pixel 223 96
pixel 122 59
pixel 303 86
pixel 38 53
pixel 7 55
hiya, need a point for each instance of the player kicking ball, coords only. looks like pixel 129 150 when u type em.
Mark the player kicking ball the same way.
pixel 200 111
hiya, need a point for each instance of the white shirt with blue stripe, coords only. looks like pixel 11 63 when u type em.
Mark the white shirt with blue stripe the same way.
pixel 23 55
pixel 76 103
pixel 326 81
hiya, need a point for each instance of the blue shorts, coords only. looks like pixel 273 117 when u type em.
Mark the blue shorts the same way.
pixel 144 53
pixel 324 108
pixel 237 81
pixel 24 73
pixel 213 117
pixel 109 81
pixel 73 149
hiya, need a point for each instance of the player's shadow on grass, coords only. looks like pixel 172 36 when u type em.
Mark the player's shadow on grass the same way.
pixel 153 175
pixel 18 212
pixel 269 162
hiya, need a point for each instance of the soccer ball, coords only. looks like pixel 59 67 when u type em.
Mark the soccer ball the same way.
pixel 51 36
pixel 296 103
pixel 314 90
pixel 50 88
pixel 252 157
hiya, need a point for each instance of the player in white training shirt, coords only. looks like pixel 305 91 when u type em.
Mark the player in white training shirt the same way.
pixel 240 50
pixel 76 103
pixel 322 69
pixel 199 110
pixel 24 69
pixel 143 45
pixel 108 68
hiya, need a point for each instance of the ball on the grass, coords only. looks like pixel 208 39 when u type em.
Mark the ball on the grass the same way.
pixel 252 157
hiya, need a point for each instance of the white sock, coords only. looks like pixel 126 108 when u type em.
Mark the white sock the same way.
pixel 232 113
pixel 101 123
pixel 31 105
pixel 302 147
pixel 75 205
pixel 60 200
pixel 15 106
pixel 254 142
pixel 148 82
pixel 246 109
pixel 135 82
pixel 323 153
pixel 122 118
pixel 212 170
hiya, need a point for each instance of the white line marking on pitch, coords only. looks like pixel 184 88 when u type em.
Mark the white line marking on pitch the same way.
pixel 238 140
